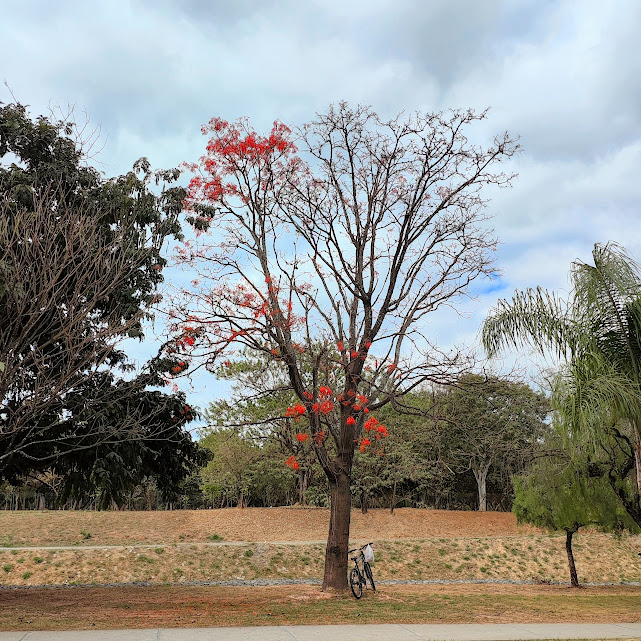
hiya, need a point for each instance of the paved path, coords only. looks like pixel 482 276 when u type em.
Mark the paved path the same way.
pixel 390 632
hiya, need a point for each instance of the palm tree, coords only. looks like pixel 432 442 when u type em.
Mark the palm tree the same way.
pixel 597 331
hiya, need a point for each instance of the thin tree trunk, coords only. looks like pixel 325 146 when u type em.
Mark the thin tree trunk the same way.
pixel 574 579
pixel 303 480
pixel 480 475
pixel 335 577
pixel 364 502
pixel 637 460
pixel 393 504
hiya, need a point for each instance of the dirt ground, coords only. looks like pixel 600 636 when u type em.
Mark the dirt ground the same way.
pixel 163 606
pixel 250 524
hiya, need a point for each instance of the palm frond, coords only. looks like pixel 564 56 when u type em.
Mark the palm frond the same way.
pixel 534 318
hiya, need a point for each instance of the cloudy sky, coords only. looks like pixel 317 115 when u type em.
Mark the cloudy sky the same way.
pixel 565 76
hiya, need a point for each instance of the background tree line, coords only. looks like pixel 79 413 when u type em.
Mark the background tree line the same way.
pixel 460 452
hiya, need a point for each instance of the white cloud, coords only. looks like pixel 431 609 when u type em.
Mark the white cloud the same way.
pixel 566 76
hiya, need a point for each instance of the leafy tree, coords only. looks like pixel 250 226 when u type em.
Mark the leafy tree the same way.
pixel 80 263
pixel 331 266
pixel 560 493
pixel 243 473
pixel 485 421
pixel 108 472
pixel 406 463
pixel 597 331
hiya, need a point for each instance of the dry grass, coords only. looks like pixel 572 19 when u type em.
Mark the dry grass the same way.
pixel 162 606
pixel 460 546
pixel 250 524
pixel 600 558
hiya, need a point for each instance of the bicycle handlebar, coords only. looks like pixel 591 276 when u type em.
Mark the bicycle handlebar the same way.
pixel 361 548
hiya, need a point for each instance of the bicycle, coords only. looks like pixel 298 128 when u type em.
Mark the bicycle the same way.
pixel 359 577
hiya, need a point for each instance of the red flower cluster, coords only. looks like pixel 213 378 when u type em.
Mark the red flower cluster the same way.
pixel 179 367
pixel 326 407
pixel 292 462
pixel 371 425
pixel 351 420
pixel 297 410
pixel 364 443
pixel 301 438
pixel 324 392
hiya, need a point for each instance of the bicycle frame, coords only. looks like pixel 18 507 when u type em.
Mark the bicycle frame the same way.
pixel 361 573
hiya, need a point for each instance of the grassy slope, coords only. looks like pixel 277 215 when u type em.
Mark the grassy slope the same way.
pixel 412 544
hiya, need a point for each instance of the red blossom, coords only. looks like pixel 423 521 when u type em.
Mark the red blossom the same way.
pixel 351 420
pixel 364 443
pixel 382 431
pixel 301 438
pixel 370 424
pixel 326 407
pixel 340 346
pixel 391 367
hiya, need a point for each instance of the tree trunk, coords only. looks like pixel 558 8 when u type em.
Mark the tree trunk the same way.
pixel 393 504
pixel 335 577
pixel 637 464
pixel 303 480
pixel 574 579
pixel 480 474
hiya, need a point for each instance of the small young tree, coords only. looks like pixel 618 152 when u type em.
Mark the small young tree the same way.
pixel 560 493
pixel 330 267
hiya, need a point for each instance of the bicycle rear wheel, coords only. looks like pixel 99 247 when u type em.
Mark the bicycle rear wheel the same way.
pixel 367 571
pixel 355 583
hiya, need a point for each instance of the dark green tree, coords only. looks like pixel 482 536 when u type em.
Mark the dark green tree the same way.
pixel 80 263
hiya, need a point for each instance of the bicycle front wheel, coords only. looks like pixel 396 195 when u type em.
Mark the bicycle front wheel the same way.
pixel 355 583
pixel 367 571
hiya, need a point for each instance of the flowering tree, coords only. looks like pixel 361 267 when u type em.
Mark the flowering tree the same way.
pixel 330 264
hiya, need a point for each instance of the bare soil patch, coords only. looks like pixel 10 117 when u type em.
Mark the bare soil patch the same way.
pixel 249 524
pixel 161 606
